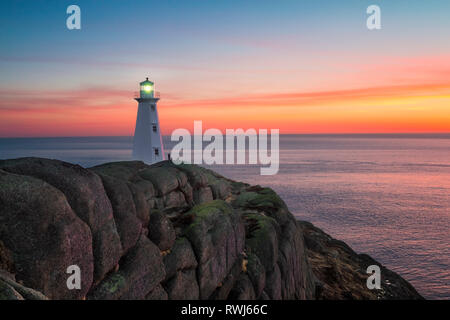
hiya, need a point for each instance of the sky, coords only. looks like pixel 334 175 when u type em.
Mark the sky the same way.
pixel 298 66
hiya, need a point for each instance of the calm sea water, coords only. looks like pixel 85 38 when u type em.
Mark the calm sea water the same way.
pixel 385 195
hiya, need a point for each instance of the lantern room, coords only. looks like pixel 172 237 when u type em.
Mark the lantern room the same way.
pixel 147 89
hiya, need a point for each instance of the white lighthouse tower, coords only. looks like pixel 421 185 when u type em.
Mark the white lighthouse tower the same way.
pixel 147 144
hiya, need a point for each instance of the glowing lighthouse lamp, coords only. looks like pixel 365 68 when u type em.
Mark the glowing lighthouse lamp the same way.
pixel 147 144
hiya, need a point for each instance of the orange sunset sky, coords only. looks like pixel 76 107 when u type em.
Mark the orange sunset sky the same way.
pixel 312 69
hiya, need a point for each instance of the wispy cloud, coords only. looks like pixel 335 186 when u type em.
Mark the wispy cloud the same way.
pixel 299 99
pixel 106 111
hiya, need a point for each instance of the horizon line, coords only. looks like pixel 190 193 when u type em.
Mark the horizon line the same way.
pixel 281 134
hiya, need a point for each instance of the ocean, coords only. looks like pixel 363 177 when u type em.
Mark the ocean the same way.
pixel 384 195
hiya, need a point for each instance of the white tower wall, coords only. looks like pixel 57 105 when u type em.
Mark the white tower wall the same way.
pixel 147 144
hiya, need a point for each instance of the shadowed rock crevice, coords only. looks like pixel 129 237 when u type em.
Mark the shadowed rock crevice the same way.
pixel 164 231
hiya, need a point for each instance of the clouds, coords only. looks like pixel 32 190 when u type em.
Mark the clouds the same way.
pixel 299 66
pixel 62 100
pixel 111 111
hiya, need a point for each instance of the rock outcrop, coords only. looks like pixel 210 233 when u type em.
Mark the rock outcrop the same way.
pixel 164 232
pixel 342 273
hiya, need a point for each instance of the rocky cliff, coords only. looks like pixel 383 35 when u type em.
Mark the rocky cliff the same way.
pixel 165 232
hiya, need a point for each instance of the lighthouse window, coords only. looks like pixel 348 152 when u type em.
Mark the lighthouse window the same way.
pixel 154 128
pixel 156 152
pixel 153 107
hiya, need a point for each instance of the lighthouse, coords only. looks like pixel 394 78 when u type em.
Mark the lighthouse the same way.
pixel 147 144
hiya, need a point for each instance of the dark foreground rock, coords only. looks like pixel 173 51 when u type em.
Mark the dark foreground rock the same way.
pixel 341 272
pixel 165 232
